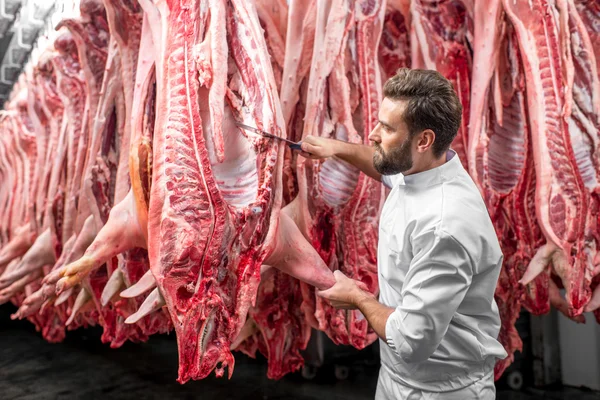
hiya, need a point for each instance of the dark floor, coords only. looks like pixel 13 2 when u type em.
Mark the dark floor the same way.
pixel 83 368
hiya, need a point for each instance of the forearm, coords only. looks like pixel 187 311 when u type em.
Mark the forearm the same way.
pixel 376 313
pixel 359 155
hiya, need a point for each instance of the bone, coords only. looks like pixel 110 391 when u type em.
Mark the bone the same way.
pixel 153 302
pixel 146 283
pixel 113 286
pixel 64 296
pixel 84 298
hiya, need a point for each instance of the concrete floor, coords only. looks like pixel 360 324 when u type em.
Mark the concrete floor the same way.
pixel 83 368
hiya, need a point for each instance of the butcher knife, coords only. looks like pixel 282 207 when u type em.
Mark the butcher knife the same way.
pixel 293 145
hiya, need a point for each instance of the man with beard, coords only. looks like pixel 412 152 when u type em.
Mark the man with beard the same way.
pixel 438 254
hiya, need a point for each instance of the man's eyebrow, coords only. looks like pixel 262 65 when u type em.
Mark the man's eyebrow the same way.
pixel 386 124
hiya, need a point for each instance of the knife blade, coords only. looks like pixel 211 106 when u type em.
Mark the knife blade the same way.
pixel 293 145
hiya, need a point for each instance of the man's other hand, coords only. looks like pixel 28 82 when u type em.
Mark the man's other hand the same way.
pixel 346 293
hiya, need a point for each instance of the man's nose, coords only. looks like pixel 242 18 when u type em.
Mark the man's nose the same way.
pixel 374 136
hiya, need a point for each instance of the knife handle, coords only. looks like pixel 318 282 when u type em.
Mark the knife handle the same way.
pixel 296 146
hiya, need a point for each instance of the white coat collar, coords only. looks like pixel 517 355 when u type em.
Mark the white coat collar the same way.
pixel 436 175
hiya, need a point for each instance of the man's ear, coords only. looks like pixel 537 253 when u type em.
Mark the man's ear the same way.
pixel 425 141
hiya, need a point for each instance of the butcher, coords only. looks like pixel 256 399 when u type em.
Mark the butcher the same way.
pixel 438 254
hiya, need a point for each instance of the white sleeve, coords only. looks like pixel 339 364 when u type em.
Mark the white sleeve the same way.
pixel 437 280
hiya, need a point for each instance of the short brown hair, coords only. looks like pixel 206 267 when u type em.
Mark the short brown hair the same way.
pixel 432 104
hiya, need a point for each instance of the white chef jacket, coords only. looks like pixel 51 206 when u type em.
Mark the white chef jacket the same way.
pixel 438 264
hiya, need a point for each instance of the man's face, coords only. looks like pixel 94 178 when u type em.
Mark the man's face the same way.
pixel 391 139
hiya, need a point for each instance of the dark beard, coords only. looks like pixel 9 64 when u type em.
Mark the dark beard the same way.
pixel 397 160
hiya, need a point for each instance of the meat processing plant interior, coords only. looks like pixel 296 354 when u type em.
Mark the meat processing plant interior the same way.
pixel 300 199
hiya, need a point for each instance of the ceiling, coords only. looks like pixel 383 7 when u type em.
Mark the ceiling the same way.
pixel 22 22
